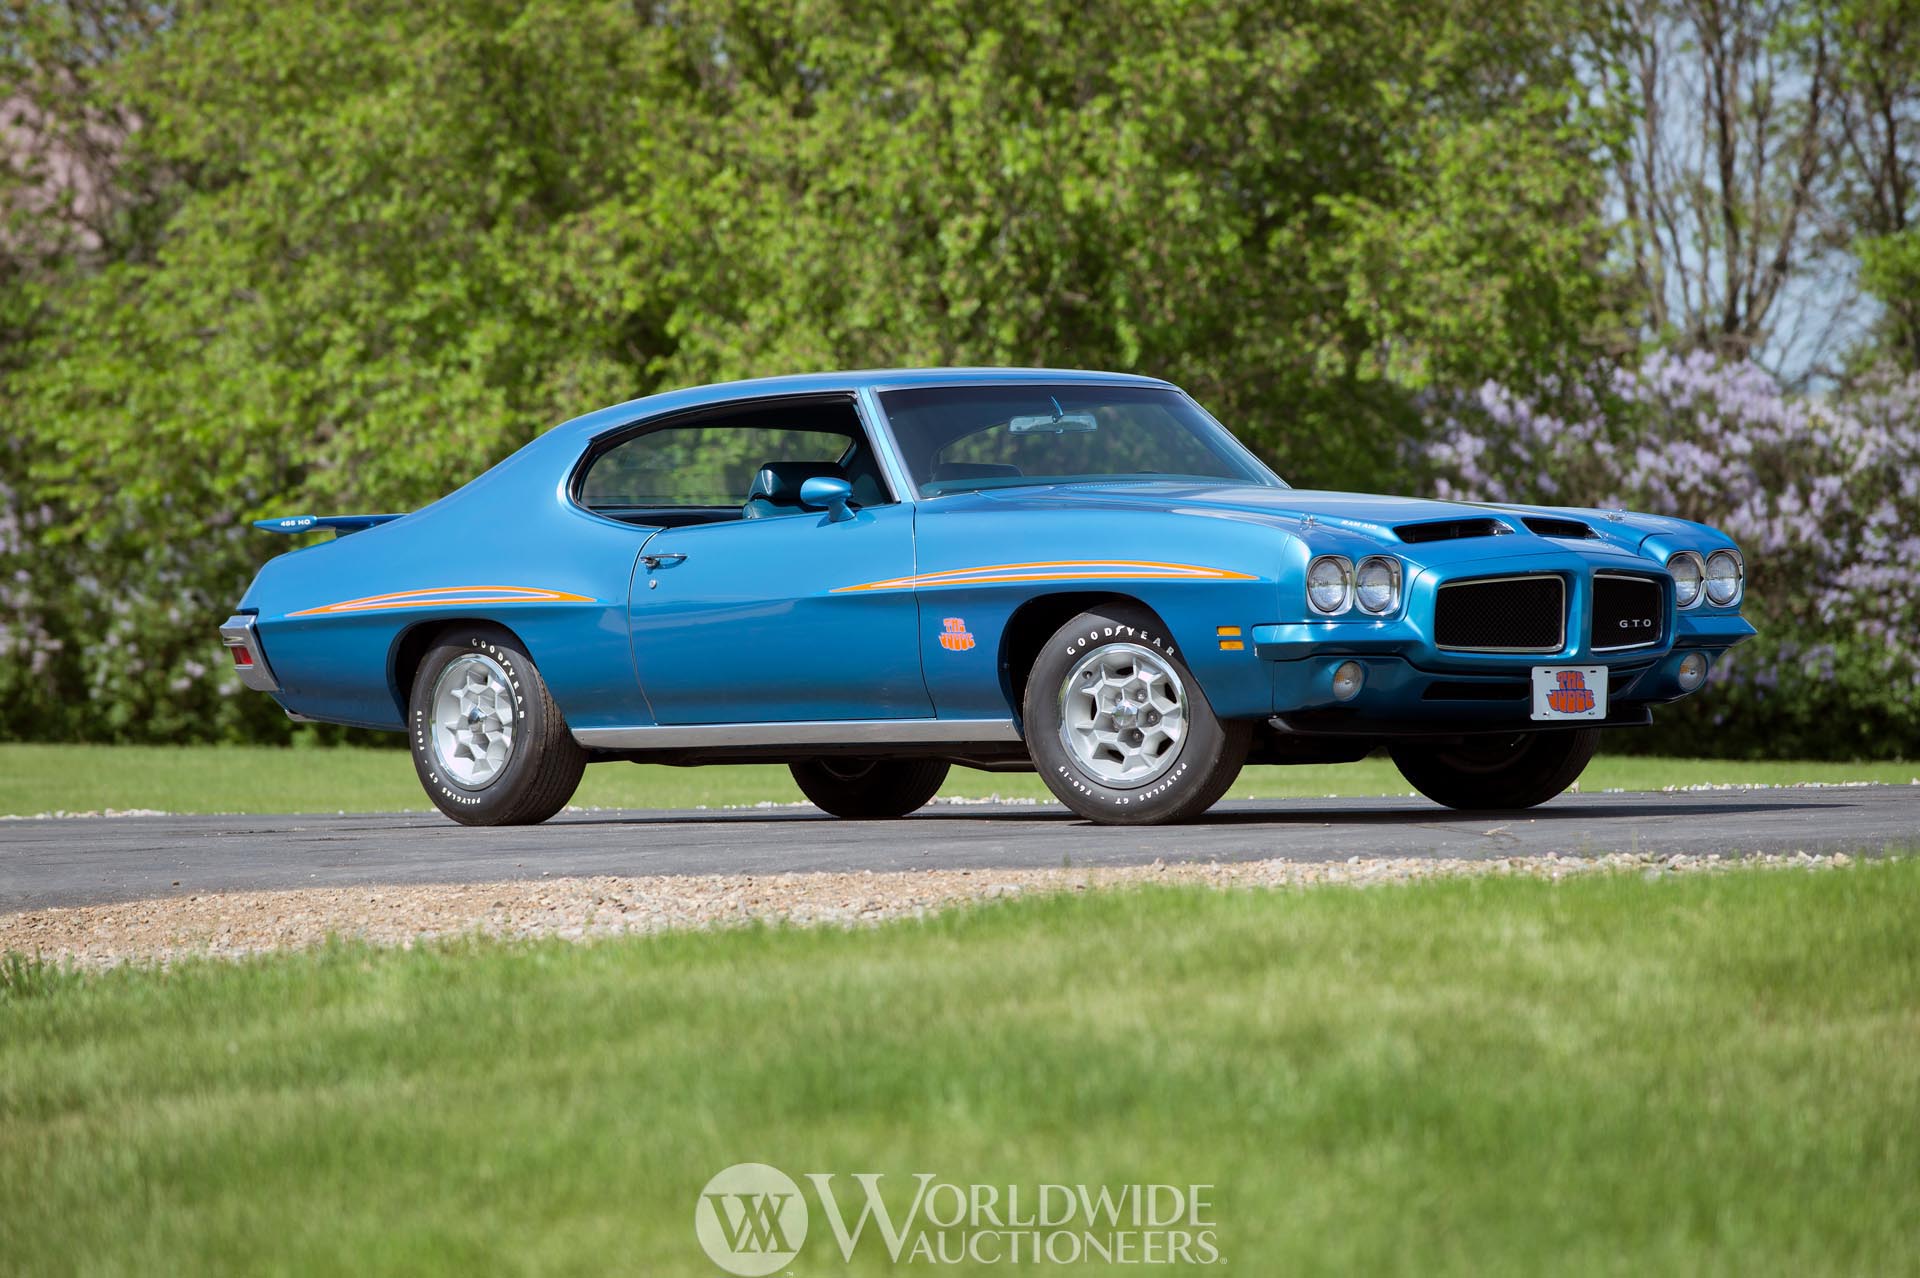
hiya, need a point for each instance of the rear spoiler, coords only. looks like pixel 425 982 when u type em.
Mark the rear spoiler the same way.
pixel 340 524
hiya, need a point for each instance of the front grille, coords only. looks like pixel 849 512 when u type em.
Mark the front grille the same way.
pixel 1627 613
pixel 1502 614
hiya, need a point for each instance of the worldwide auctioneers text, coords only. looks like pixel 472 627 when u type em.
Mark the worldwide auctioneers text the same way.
pixel 752 1219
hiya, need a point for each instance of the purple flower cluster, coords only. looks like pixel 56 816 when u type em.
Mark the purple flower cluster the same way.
pixel 1821 492
pixel 27 646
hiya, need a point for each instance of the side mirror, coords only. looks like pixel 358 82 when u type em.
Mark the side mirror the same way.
pixel 828 494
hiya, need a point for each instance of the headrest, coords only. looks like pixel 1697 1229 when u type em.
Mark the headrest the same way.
pixel 779 482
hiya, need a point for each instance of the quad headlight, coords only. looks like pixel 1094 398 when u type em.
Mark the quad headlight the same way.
pixel 1330 584
pixel 1689 578
pixel 1377 584
pixel 1725 577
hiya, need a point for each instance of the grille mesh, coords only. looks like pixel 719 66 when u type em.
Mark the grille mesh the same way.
pixel 1626 613
pixel 1510 614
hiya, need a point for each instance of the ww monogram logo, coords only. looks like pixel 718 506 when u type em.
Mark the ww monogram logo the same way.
pixel 751 1219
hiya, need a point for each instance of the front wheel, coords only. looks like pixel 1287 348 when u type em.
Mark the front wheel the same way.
pixel 1496 772
pixel 1117 725
pixel 489 744
pixel 869 789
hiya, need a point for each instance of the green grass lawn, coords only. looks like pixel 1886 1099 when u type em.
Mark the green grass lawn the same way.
pixel 39 778
pixel 1689 1075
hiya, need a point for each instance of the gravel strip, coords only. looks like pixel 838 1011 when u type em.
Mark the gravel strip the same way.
pixel 236 924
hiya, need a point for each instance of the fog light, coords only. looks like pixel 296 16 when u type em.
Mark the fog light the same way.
pixel 1693 671
pixel 1347 678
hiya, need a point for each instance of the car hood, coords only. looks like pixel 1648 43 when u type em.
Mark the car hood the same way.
pixel 1294 510
pixel 1287 507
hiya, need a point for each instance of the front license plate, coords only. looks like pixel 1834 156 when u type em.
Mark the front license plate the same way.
pixel 1569 692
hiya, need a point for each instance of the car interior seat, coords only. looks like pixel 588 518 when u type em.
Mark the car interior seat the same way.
pixel 776 488
pixel 863 472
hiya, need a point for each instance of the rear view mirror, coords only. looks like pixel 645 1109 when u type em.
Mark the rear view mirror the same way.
pixel 1058 424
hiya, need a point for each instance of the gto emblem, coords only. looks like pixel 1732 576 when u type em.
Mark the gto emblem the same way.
pixel 1636 623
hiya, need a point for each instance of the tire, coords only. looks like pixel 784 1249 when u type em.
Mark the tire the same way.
pixel 515 769
pixel 1498 773
pixel 1116 667
pixel 869 789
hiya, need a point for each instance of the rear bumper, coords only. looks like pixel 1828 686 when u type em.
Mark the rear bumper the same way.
pixel 242 639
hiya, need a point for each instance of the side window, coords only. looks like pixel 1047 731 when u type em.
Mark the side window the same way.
pixel 709 470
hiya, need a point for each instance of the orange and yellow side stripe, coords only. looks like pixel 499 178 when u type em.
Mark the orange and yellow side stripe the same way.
pixel 442 596
pixel 1054 570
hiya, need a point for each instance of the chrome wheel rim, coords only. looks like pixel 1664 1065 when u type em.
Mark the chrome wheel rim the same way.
pixel 473 721
pixel 1123 715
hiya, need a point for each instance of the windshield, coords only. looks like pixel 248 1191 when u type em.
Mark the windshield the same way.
pixel 960 438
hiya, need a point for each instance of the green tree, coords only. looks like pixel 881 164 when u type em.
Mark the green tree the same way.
pixel 374 248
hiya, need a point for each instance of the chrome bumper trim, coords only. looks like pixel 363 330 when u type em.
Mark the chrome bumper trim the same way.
pixel 812 732
pixel 237 632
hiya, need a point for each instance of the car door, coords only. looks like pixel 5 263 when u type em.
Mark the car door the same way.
pixel 746 617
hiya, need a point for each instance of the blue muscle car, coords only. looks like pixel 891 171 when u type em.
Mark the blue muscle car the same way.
pixel 873 576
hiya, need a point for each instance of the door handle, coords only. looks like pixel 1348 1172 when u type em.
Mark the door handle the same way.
pixel 654 561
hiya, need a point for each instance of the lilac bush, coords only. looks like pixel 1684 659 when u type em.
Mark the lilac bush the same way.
pixel 107 634
pixel 1822 493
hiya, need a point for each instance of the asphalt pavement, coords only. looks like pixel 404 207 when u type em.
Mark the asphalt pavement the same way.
pixel 98 860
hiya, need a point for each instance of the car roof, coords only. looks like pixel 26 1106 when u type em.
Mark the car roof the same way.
pixel 594 423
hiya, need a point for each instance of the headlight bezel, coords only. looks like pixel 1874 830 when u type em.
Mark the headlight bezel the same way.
pixel 1345 567
pixel 1394 576
pixel 1739 578
pixel 1699 564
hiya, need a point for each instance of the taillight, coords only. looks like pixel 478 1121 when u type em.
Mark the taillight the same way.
pixel 249 659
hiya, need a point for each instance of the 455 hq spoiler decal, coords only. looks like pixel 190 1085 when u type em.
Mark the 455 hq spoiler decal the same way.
pixel 443 596
pixel 1055 570
pixel 339 525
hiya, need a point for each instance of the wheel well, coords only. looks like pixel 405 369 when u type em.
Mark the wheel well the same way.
pixel 1034 622
pixel 411 647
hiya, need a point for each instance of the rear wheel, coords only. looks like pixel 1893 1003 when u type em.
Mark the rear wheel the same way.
pixel 1498 772
pixel 1118 727
pixel 869 789
pixel 489 744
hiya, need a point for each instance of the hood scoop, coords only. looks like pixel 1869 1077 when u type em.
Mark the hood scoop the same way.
pixel 1451 530
pixel 1550 526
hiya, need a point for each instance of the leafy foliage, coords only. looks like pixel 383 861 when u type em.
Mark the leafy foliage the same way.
pixel 344 258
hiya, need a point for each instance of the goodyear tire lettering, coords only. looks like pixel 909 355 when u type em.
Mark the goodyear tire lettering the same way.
pixel 1209 756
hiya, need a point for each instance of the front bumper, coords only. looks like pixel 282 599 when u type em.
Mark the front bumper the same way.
pixel 1412 686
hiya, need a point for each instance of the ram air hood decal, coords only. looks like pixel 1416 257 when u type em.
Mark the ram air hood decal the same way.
pixel 1360 512
pixel 1296 510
